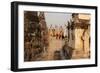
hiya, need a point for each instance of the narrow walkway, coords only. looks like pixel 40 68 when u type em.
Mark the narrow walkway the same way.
pixel 54 45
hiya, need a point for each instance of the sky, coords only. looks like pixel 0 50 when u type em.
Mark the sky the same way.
pixel 57 18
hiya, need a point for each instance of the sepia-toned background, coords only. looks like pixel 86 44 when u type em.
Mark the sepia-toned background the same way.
pixel 56 36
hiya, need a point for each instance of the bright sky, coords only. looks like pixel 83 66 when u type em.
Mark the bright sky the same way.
pixel 57 18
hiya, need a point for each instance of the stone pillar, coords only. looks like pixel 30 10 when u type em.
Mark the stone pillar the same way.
pixel 44 31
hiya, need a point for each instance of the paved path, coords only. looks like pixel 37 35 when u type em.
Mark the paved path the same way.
pixel 54 45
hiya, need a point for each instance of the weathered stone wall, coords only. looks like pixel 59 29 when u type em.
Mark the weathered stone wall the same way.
pixel 80 28
pixel 34 35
